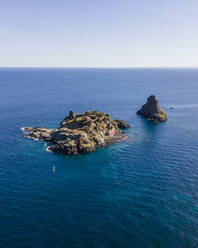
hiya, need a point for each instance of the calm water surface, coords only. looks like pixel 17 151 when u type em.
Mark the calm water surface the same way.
pixel 142 192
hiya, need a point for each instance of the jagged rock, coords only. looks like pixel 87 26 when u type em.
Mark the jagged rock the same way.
pixel 122 124
pixel 152 110
pixel 37 133
pixel 71 114
pixel 79 133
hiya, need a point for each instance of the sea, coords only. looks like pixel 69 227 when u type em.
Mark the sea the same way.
pixel 138 193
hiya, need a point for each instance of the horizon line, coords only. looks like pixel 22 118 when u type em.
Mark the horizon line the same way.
pixel 111 67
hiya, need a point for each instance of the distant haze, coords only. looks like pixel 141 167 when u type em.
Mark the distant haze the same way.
pixel 99 33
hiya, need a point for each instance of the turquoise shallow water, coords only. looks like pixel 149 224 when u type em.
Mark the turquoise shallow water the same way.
pixel 141 192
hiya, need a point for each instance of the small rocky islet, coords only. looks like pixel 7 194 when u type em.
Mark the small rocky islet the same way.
pixel 80 133
pixel 152 110
pixel 83 133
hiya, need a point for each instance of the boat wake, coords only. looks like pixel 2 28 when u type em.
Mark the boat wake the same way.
pixel 182 106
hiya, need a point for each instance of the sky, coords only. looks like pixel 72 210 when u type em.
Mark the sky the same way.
pixel 99 33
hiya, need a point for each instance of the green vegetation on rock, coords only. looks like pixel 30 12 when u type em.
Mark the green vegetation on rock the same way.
pixel 79 133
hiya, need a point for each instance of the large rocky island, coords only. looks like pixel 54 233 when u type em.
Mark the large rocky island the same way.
pixel 152 110
pixel 79 133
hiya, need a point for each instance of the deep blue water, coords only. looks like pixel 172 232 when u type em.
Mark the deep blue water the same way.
pixel 142 192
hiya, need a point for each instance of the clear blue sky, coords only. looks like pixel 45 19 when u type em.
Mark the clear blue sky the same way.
pixel 99 33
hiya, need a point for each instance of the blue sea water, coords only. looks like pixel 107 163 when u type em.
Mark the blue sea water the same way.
pixel 141 192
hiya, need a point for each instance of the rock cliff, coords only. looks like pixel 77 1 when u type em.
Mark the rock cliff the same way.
pixel 152 110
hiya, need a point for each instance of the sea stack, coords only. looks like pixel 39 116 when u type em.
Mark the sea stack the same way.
pixel 79 133
pixel 152 110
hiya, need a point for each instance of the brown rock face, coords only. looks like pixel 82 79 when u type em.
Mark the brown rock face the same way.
pixel 79 133
pixel 152 110
pixel 122 124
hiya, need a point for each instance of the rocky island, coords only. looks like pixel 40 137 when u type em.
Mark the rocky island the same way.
pixel 152 110
pixel 80 133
